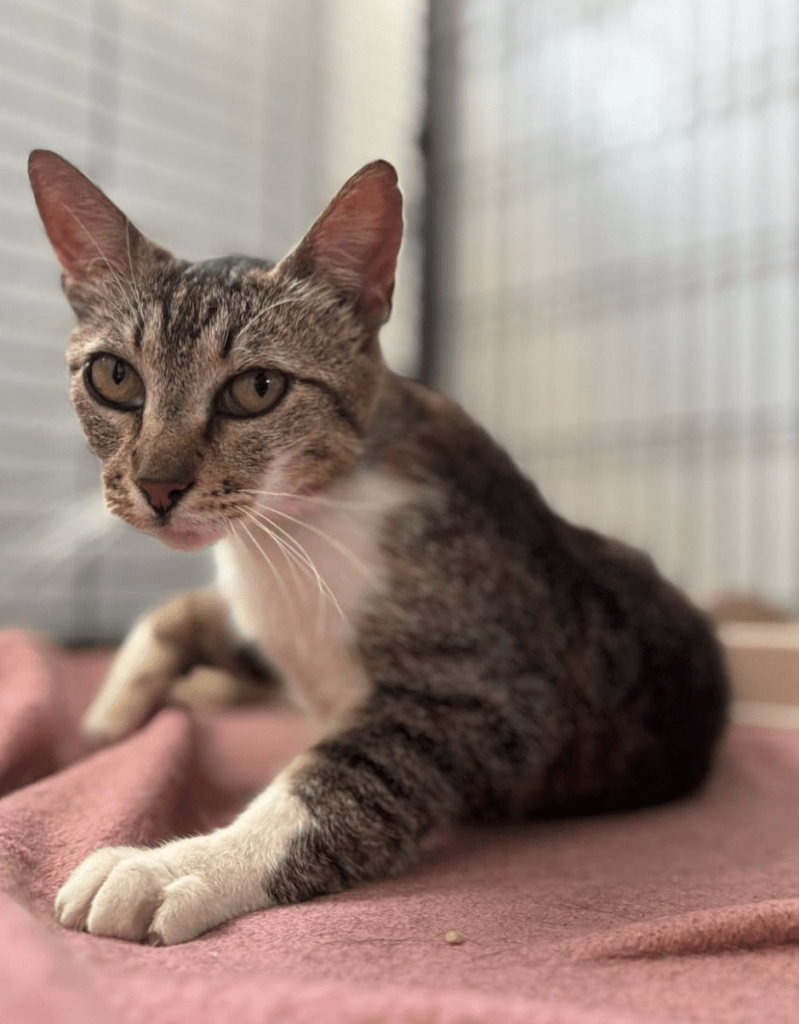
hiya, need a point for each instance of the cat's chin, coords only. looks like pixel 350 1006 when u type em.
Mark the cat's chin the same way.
pixel 185 539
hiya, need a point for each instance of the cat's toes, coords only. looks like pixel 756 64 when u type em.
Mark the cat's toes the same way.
pixel 189 907
pixel 112 716
pixel 126 903
pixel 165 895
pixel 121 706
pixel 74 900
pixel 117 892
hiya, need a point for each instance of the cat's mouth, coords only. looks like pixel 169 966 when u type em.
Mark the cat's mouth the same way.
pixel 181 528
pixel 186 538
pixel 181 535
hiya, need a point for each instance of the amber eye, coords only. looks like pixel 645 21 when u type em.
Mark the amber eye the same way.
pixel 252 393
pixel 114 382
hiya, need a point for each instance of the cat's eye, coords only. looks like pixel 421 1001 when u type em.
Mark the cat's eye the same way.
pixel 114 382
pixel 252 393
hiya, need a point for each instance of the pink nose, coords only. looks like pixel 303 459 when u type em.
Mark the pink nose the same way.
pixel 162 494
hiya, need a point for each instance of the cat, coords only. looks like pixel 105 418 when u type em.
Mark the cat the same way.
pixel 464 651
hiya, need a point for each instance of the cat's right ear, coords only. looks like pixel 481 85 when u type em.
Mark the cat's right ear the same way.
pixel 90 236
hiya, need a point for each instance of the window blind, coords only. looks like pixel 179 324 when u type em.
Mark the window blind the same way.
pixel 620 222
pixel 218 127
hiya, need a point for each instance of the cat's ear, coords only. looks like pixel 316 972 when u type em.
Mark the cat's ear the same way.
pixel 354 243
pixel 90 236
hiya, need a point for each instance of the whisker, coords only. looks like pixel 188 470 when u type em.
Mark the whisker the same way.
pixel 323 585
pixel 262 313
pixel 268 560
pixel 290 562
pixel 315 498
pixel 288 555
pixel 297 547
pixel 80 531
pixel 324 590
pixel 293 559
pixel 333 541
pixel 297 550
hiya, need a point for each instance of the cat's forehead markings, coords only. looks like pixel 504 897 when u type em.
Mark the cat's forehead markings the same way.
pixel 138 329
pixel 209 305
pixel 183 312
pixel 211 313
pixel 228 337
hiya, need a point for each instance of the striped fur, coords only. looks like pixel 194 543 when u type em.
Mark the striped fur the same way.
pixel 464 651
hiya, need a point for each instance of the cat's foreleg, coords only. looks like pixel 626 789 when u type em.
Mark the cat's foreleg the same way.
pixel 354 808
pixel 164 657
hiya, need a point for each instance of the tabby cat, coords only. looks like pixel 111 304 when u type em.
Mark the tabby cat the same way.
pixel 464 651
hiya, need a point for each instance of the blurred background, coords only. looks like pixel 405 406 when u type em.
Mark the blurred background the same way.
pixel 600 258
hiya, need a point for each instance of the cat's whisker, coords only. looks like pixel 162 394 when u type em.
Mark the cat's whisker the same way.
pixel 315 498
pixel 301 557
pixel 278 578
pixel 291 563
pixel 348 553
pixel 262 313
pixel 333 541
pixel 290 556
pixel 323 585
pixel 292 560
pixel 275 572
pixel 307 562
pixel 80 530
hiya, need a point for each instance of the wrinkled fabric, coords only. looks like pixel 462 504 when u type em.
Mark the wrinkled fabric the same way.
pixel 688 912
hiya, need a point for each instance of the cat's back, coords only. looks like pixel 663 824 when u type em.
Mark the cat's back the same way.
pixel 575 633
pixel 475 487
pixel 585 581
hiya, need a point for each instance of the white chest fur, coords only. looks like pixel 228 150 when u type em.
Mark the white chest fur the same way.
pixel 299 577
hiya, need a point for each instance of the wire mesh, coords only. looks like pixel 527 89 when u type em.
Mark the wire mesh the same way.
pixel 617 229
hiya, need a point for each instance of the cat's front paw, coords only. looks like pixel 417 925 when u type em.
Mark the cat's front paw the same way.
pixel 164 896
pixel 139 678
pixel 186 649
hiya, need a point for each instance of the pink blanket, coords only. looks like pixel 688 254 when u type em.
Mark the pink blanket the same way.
pixel 685 913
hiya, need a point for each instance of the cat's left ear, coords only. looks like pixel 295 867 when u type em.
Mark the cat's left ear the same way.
pixel 354 243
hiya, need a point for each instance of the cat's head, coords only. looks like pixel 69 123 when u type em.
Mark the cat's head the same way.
pixel 200 385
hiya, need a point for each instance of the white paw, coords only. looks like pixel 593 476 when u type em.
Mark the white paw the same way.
pixel 140 676
pixel 165 895
pixel 181 889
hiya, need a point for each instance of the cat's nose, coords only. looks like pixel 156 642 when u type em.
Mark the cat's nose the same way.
pixel 163 494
